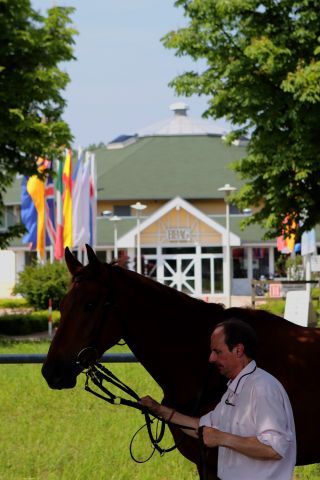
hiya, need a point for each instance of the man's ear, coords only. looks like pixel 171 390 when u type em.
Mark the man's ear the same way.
pixel 239 349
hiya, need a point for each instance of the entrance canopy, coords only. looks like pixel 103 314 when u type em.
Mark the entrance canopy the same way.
pixel 178 223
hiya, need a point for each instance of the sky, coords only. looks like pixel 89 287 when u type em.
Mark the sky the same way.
pixel 119 82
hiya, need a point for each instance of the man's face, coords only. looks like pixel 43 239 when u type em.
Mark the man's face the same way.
pixel 227 362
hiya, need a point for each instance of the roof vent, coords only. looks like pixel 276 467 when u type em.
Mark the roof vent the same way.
pixel 179 109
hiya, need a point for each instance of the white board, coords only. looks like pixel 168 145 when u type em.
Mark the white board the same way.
pixel 315 263
pixel 297 308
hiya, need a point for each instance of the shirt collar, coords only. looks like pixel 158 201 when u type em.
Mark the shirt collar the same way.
pixel 245 373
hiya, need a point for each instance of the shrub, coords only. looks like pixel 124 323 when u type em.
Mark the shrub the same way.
pixel 13 303
pixel 25 324
pixel 38 283
pixel 273 306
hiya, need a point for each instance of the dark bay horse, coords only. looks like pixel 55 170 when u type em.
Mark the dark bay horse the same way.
pixel 169 333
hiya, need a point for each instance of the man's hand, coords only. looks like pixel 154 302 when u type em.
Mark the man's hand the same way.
pixel 153 405
pixel 212 437
pixel 170 415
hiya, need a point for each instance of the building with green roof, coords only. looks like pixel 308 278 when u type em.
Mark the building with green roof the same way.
pixel 175 168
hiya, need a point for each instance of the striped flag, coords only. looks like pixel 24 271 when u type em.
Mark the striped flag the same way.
pixel 37 209
pixel 58 249
pixel 49 212
pixel 67 201
pixel 93 202
pixel 77 200
pixel 85 188
pixel 285 243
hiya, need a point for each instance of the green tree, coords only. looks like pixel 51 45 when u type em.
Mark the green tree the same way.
pixel 31 48
pixel 262 72
pixel 38 283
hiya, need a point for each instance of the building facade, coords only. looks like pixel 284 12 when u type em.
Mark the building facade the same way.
pixel 175 168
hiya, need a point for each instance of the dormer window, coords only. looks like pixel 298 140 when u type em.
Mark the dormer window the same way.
pixel 122 210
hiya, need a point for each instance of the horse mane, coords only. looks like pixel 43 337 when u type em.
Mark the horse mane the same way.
pixel 170 295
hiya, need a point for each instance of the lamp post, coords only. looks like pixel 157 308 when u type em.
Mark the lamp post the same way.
pixel 115 219
pixel 138 207
pixel 227 189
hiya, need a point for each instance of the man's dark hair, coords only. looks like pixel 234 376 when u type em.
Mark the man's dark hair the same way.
pixel 237 331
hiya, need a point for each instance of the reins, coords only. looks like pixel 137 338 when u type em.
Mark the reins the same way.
pixel 98 374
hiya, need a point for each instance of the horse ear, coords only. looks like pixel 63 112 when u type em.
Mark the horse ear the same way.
pixel 72 263
pixel 92 257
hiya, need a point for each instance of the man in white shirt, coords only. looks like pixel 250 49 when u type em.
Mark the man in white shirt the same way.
pixel 253 424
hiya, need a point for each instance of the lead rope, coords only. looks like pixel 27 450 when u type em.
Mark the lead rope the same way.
pixel 97 374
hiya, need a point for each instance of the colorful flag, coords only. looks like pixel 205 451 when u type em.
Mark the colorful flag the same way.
pixel 93 201
pixel 37 209
pixel 67 201
pixel 285 243
pixel 58 248
pixel 28 216
pixel 77 195
pixel 49 211
pixel 85 204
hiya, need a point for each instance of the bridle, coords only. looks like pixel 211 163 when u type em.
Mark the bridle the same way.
pixel 98 375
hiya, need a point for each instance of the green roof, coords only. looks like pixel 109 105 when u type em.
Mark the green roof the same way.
pixel 105 229
pixel 192 167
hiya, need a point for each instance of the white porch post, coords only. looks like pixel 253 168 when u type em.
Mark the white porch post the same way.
pixel 250 267
pixel 271 261
pixel 198 271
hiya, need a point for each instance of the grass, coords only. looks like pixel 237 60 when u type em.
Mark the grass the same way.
pixel 71 435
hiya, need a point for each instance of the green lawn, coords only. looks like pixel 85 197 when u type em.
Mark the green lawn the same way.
pixel 71 435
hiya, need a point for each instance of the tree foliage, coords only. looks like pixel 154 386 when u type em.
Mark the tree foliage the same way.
pixel 37 283
pixel 32 46
pixel 262 73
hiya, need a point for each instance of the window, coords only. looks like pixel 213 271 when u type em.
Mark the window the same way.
pixel 148 251
pixel 122 210
pixel 260 262
pixel 234 210
pixel 30 258
pixel 10 216
pixel 178 250
pixel 211 249
pixel 240 262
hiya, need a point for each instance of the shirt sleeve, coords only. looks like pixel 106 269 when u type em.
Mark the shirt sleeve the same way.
pixel 211 419
pixel 272 410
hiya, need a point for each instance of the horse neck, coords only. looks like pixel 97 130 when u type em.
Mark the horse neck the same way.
pixel 169 332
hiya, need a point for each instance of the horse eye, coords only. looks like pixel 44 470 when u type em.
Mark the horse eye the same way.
pixel 89 306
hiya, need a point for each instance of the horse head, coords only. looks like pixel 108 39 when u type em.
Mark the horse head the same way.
pixel 88 324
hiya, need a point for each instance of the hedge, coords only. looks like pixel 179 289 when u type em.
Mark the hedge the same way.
pixel 26 324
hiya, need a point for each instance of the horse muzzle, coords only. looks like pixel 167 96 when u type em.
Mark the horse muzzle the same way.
pixel 60 375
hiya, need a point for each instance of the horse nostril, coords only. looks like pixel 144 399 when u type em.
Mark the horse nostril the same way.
pixel 59 375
